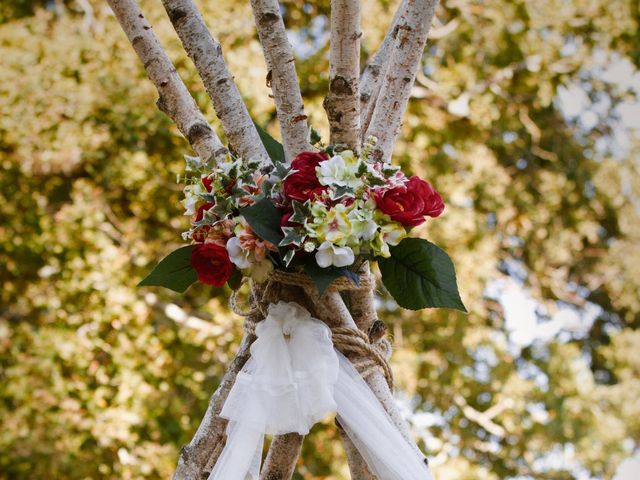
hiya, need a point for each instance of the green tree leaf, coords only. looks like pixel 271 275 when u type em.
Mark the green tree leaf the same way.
pixel 273 147
pixel 264 219
pixel 173 272
pixel 420 275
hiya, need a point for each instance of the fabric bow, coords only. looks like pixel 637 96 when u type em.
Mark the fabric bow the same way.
pixel 295 378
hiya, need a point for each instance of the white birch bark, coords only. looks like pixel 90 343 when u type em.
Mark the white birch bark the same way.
pixel 282 457
pixel 210 436
pixel 175 100
pixel 282 77
pixel 342 104
pixel 400 75
pixel 376 70
pixel 357 466
pixel 206 54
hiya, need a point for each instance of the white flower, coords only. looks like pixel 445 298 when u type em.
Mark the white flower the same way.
pixel 339 171
pixel 191 197
pixel 238 256
pixel 328 254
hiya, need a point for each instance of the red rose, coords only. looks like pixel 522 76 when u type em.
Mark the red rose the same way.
pixel 212 263
pixel 410 203
pixel 303 184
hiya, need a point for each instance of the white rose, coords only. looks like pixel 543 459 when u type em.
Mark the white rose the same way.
pixel 328 254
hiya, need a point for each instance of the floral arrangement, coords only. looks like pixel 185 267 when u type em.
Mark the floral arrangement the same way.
pixel 325 213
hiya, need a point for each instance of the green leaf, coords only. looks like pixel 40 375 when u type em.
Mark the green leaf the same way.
pixel 173 272
pixel 264 219
pixel 292 237
pixel 235 280
pixel 420 275
pixel 271 145
pixel 323 277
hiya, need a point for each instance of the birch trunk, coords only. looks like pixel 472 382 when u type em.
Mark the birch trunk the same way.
pixel 342 104
pixel 376 70
pixel 400 75
pixel 175 100
pixel 206 54
pixel 282 457
pixel 210 436
pixel 357 465
pixel 282 77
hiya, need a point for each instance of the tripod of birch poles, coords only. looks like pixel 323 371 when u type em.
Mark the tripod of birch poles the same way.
pixel 360 103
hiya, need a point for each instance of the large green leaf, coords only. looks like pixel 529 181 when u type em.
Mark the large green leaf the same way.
pixel 174 271
pixel 271 145
pixel 323 277
pixel 419 275
pixel 264 219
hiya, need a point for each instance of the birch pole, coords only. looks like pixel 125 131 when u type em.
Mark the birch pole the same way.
pixel 400 75
pixel 175 100
pixel 282 77
pixel 210 437
pixel 206 54
pixel 376 70
pixel 342 104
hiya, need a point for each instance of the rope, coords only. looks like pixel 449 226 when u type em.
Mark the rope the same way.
pixel 342 284
pixel 370 355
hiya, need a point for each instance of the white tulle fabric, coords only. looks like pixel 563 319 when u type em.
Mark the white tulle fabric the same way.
pixel 295 378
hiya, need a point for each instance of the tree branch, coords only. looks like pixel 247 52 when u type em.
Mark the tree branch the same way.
pixel 357 466
pixel 400 75
pixel 175 100
pixel 196 454
pixel 376 69
pixel 206 54
pixel 342 103
pixel 282 77
pixel 282 457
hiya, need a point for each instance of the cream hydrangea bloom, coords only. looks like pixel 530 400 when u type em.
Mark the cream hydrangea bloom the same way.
pixel 340 170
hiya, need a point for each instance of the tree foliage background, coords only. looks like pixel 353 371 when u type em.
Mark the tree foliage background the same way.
pixel 516 118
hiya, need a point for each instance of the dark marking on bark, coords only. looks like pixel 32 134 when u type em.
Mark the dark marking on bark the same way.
pixel 222 81
pixel 136 39
pixel 340 86
pixel 198 131
pixel 407 79
pixel 377 331
pixel 269 77
pixel 140 15
pixel 176 14
pixel 364 97
pixel 151 62
pixel 146 27
pixel 268 18
pixel 299 118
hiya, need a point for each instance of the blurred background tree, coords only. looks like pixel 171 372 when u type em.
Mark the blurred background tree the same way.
pixel 526 119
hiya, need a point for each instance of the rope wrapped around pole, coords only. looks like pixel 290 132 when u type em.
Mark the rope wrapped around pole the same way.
pixel 366 351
